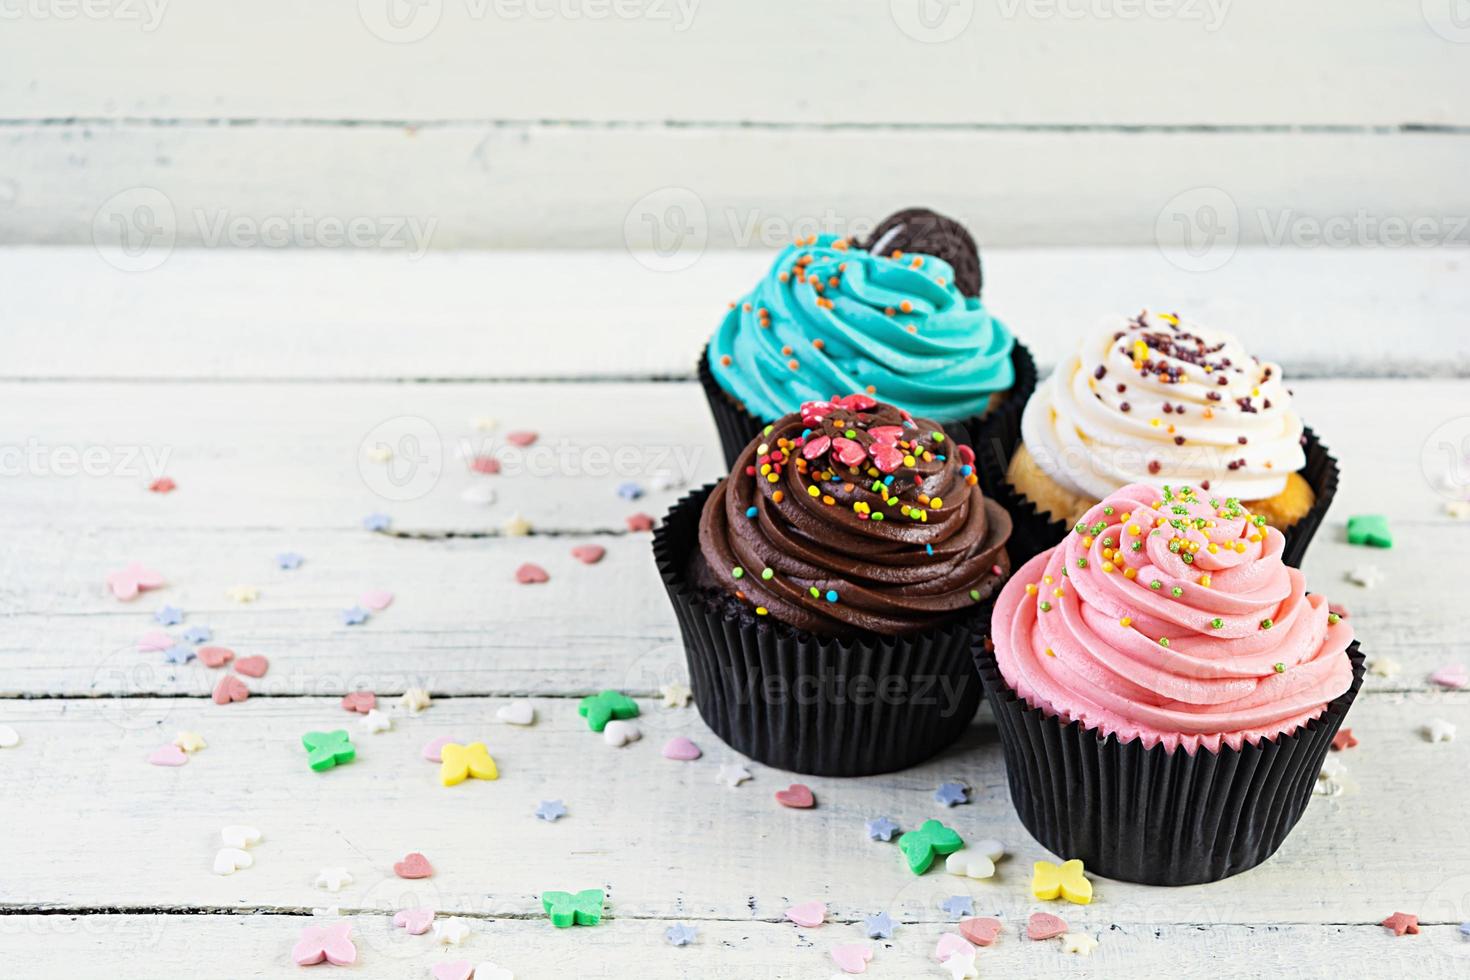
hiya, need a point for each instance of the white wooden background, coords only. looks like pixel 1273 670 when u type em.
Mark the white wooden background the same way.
pixel 260 378
pixel 580 123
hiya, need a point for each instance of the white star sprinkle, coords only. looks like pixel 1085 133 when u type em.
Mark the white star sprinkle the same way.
pixel 676 695
pixel 1439 730
pixel 733 776
pixel 1368 576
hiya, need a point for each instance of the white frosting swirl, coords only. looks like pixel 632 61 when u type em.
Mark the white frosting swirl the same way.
pixel 1158 400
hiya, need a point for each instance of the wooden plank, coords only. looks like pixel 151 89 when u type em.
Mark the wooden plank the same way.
pixel 664 838
pixel 344 314
pixel 1316 63
pixel 206 947
pixel 476 185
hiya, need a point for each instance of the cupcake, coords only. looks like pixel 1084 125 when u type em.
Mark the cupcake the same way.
pixel 1159 400
pixel 898 318
pixel 828 589
pixel 1166 688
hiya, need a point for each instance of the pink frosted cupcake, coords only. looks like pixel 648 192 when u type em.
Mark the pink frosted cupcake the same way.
pixel 1166 688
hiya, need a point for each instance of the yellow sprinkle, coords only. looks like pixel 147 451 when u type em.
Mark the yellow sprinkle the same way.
pixel 936 503
pixel 812 491
pixel 1130 573
pixel 1134 529
pixel 1046 579
pixel 1126 622
pixel 1204 580
pixel 1058 592
pixel 1155 422
pixel 1049 653
pixel 1125 516
pixel 1213 549
pixel 1087 541
pixel 1108 567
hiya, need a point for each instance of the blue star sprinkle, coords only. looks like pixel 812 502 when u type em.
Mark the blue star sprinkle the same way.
pixel 376 522
pixel 178 654
pixel 198 634
pixel 878 926
pixel 169 616
pixel 952 794
pixel 551 810
pixel 355 616
pixel 1465 929
pixel 882 828
pixel 630 491
pixel 290 560
pixel 680 935
pixel 958 906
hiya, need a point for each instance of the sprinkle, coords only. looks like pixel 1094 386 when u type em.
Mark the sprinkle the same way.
pixel 738 572
pixel 1267 623
pixel 1163 641
pixel 1280 668
pixel 881 828
pixel 1217 623
pixel 952 794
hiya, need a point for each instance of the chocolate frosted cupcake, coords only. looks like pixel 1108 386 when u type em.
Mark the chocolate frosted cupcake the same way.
pixel 1159 400
pixel 828 589
pixel 898 317
pixel 1166 688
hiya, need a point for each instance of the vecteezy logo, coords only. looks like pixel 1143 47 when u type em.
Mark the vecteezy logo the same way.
pixel 667 230
pixel 400 21
pixel 932 21
pixel 401 458
pixel 1199 229
pixel 1450 19
pixel 134 230
pixel 1445 459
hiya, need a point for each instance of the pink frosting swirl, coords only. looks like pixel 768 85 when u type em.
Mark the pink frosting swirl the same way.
pixel 1169 616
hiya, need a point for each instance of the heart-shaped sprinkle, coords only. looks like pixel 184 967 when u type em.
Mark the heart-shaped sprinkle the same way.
pixel 231 859
pixel 886 458
pixel 517 713
pixel 239 836
pixel 9 737
pixel 969 864
pixel 886 435
pixel 215 656
pixel 154 641
pixel 360 701
pixel 589 554
pixel 414 865
pixel 435 746
pixel 639 522
pixel 680 749
pixel 1453 676
pixel 531 574
pixel 951 944
pixel 168 755
pixel 254 666
pixel 852 959
pixel 980 931
pixel 376 599
pixel 453 970
pixel 415 922
pixel 230 688
pixel 1044 925
pixel 808 914
pixel 857 402
pixel 848 452
pixel 814 448
pixel 618 733
pixel 520 438
pixel 798 796
pixel 485 465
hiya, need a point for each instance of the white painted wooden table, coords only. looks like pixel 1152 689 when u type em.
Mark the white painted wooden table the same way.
pixel 260 381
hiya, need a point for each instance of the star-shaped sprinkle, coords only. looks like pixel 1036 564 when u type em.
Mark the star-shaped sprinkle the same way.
pixel 376 722
pixel 629 491
pixel 961 966
pixel 958 906
pixel 243 593
pixel 952 794
pixel 377 522
pixel 1344 739
pixel 733 776
pixel 1458 509
pixel 483 423
pixel 881 828
pixel 289 561
pixel 1384 667
pixel 516 527
pixel 333 879
pixel 551 810
pixel 599 709
pixel 168 616
pixel 878 926
pixel 1439 730
pixel 1465 929
pixel 680 934
pixel 1402 922
pixel 451 932
pixel 178 654
pixel 676 695
pixel 190 742
pixel 354 616
pixel 415 700
pixel 1078 942
pixel 1368 576
pixel 198 634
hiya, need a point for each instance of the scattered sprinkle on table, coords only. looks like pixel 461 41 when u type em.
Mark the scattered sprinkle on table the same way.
pixel 289 561
pixel 982 931
pixel 808 914
pixel 640 522
pixel 127 583
pixel 516 527
pixel 551 810
pixel 376 599
pixel 332 879
pixel 520 713
pixel 1369 529
pixel 681 749
pixel 484 465
pixel 732 776
pixel 589 554
pixel 679 934
pixel 1383 666
pixel 178 654
pixel 461 762
pixel 933 839
pixel 878 926
pixel 198 634
pixel 168 755
pixel 881 828
pixel 239 835
pixel 1400 923
pixel 676 695
pixel 9 737
pixel 1458 509
pixel 413 866
pixel 228 860
pixel 415 700
pixel 797 796
pixel 252 666
pixel 377 522
pixel 1368 576
pixel 331 944
pixel 482 494
pixel 1079 943
pixel 620 733
pixel 958 906
pixel 1344 739
pixel 531 574
pixel 1044 925
pixel 483 423
pixel 415 922
pixel 376 722
pixel 565 909
pixel 168 616
pixel 154 641
pixel 190 741
pixel 1052 881
pixel 852 957
pixel 213 657
pixel 1439 730
pixel 952 794
pixel 360 701
pixel 242 593
pixel 1452 676
pixel 354 616
pixel 230 689
pixel 601 708
pixel 521 438
pixel 451 932
pixel 435 745
pixel 629 491
pixel 969 863
pixel 164 484
pixel 325 750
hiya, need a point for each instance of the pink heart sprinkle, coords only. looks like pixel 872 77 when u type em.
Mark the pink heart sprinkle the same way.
pixel 453 970
pixel 522 438
pixel 640 522
pixel 1452 676
pixel 951 944
pixel 848 452
pixel 589 554
pixel 128 582
pixel 981 932
pixel 435 746
pixel 415 922
pixel 376 599
pixel 531 574
pixel 1044 925
pixel 808 914
pixel 857 402
pixel 255 666
pixel 230 688
pixel 886 458
pixel 164 484
pixel 816 447
pixel 154 641
pixel 812 413
pixel 487 465
pixel 360 701
pixel 680 749
pixel 413 865
pixel 168 755
pixel 215 656
pixel 852 959
pixel 798 796
pixel 888 435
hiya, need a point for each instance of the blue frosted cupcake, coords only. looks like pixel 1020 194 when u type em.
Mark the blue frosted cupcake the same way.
pixel 898 317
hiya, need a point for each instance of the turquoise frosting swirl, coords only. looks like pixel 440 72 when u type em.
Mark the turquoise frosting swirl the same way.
pixel 897 328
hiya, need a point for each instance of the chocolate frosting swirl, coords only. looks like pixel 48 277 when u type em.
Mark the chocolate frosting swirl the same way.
pixel 854 515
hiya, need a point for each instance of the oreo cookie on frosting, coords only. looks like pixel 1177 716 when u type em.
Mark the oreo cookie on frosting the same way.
pixel 931 233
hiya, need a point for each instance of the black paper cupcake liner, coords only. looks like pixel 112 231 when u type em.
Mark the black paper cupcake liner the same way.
pixel 811 704
pixel 1034 531
pixel 737 426
pixel 1151 815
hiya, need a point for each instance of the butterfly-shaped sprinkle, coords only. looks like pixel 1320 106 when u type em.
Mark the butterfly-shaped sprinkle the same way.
pixel 327 749
pixel 459 762
pixel 1049 881
pixel 565 909
pixel 920 847
pixel 330 943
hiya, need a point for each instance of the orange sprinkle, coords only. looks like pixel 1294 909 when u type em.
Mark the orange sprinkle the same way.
pixel 784 276
pixel 786 350
pixel 819 343
pixel 906 306
pixel 887 309
pixel 871 389
pixel 724 360
pixel 896 255
pixel 792 364
pixel 777 497
pixel 913 328
pixel 746 307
